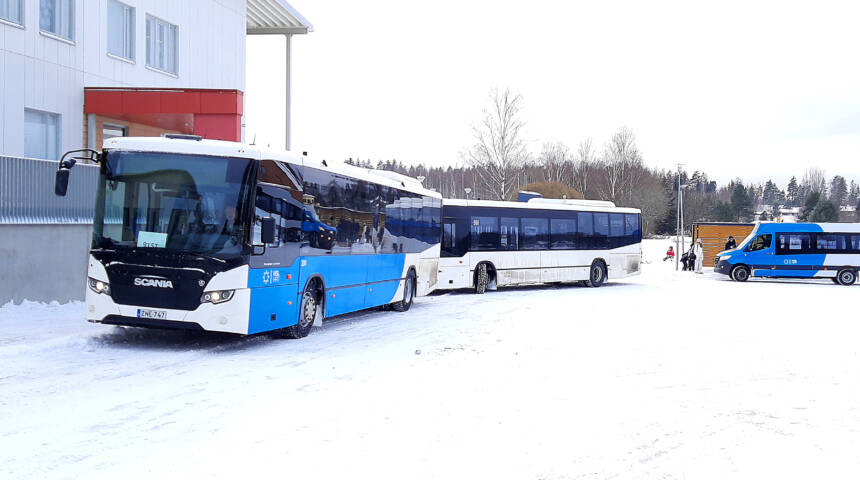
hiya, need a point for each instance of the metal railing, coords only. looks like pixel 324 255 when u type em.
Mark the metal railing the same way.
pixel 27 193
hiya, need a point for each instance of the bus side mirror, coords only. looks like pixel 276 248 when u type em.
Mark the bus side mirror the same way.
pixel 267 234
pixel 61 183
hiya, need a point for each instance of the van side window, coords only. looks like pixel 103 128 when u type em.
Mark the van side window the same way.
pixel 793 243
pixel 761 242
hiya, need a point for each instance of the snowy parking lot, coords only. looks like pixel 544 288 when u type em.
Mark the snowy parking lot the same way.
pixel 664 375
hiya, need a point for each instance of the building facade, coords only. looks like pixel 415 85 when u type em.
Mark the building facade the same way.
pixel 73 72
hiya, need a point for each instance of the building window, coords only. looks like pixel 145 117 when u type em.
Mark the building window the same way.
pixel 12 10
pixel 111 131
pixel 57 17
pixel 120 27
pixel 41 135
pixel 162 45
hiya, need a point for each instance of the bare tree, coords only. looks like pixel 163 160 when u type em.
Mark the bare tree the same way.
pixel 499 150
pixel 581 168
pixel 555 159
pixel 814 180
pixel 623 166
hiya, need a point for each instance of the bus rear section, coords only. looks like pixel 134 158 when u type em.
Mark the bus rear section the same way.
pixel 487 244
pixel 795 250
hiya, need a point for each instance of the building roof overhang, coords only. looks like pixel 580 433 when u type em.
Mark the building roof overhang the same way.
pixel 275 17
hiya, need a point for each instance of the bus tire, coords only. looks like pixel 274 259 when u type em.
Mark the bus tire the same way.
pixel 482 278
pixel 846 277
pixel 740 273
pixel 309 309
pixel 834 280
pixel 596 274
pixel 408 293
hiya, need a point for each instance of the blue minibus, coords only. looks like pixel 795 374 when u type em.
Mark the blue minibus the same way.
pixel 795 250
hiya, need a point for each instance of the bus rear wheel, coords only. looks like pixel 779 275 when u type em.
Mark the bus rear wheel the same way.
pixel 846 277
pixel 596 274
pixel 408 294
pixel 482 278
pixel 741 273
pixel 309 309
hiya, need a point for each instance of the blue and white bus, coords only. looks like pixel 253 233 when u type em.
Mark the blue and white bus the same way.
pixel 486 244
pixel 223 236
pixel 795 250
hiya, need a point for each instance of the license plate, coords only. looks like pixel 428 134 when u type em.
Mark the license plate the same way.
pixel 154 314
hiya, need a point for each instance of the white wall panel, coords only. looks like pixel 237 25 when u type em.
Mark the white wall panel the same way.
pixel 47 74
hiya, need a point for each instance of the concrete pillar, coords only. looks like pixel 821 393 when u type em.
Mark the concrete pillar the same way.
pixel 288 81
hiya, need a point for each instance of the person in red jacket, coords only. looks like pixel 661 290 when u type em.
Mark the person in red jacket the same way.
pixel 670 254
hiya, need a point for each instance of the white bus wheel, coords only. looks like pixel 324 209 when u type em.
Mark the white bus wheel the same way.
pixel 596 274
pixel 846 277
pixel 482 278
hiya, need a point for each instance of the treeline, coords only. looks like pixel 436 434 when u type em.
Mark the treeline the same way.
pixel 498 164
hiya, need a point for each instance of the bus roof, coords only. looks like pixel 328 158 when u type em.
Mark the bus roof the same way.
pixel 540 205
pixel 190 145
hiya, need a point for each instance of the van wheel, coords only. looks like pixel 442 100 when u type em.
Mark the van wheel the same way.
pixel 741 273
pixel 596 275
pixel 846 277
pixel 309 309
pixel 482 279
pixel 408 294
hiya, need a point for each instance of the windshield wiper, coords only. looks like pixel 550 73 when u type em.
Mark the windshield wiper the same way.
pixel 207 257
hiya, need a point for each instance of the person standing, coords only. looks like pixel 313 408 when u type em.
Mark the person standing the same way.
pixel 730 244
pixel 700 255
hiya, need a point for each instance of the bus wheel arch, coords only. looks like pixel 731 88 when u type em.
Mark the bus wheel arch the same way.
pixel 485 277
pixel 598 273
pixel 740 273
pixel 410 287
pixel 847 276
pixel 311 309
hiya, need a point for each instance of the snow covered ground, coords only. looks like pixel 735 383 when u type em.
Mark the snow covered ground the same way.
pixel 665 375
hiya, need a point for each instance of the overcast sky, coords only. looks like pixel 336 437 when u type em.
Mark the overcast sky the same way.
pixel 752 89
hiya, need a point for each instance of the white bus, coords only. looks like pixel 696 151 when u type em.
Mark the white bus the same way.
pixel 486 244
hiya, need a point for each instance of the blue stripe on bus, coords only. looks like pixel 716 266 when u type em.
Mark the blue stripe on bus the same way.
pixel 353 282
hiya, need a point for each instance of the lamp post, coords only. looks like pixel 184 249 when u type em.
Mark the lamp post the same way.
pixel 421 178
pixel 468 191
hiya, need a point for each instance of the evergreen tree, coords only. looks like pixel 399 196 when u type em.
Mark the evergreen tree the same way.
pixel 838 190
pixel 825 211
pixel 809 206
pixel 853 193
pixel 768 196
pixel 742 202
pixel 792 193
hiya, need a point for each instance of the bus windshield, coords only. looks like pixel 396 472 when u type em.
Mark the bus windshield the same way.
pixel 188 203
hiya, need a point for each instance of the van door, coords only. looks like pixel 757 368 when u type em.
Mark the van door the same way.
pixel 759 255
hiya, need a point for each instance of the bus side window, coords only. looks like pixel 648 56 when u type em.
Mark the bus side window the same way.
pixel 485 233
pixel 855 243
pixel 601 231
pixel 586 230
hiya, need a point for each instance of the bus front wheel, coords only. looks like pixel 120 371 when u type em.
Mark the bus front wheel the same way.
pixel 309 309
pixel 596 274
pixel 482 278
pixel 408 293
pixel 740 273
pixel 846 277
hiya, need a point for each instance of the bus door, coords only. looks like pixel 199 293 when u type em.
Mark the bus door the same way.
pixel 759 255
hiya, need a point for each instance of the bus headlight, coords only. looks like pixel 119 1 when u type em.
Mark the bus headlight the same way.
pixel 218 296
pixel 98 286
